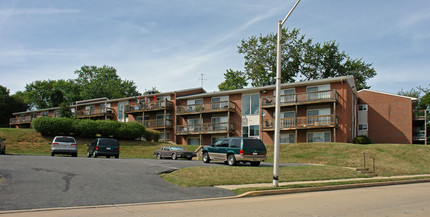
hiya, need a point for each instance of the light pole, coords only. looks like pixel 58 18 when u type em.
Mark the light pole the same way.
pixel 278 100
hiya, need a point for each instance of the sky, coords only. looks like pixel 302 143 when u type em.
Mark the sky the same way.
pixel 169 44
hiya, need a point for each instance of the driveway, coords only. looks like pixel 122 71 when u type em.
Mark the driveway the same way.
pixel 30 182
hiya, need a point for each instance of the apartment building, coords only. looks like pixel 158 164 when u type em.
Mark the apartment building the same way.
pixel 323 110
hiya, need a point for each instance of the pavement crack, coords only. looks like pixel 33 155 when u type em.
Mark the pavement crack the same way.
pixel 67 177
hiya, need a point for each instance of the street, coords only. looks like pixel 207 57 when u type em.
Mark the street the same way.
pixel 397 200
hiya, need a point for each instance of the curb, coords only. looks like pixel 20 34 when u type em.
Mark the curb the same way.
pixel 329 188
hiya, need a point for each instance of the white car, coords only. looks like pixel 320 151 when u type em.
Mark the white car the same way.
pixel 64 145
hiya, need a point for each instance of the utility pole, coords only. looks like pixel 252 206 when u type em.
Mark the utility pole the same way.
pixel 202 79
pixel 278 100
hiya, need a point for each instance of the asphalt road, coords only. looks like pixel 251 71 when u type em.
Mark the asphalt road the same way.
pixel 30 182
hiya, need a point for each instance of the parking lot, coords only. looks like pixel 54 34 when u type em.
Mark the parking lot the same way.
pixel 30 182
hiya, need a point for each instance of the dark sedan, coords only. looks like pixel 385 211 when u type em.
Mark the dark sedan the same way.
pixel 174 152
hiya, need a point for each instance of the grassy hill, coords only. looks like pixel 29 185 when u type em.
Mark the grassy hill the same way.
pixel 30 142
pixel 391 159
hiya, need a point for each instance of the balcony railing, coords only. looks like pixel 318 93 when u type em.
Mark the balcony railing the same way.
pixel 206 107
pixel 161 123
pixel 25 120
pixel 419 135
pixel 419 114
pixel 221 127
pixel 297 98
pixel 149 106
pixel 302 122
pixel 94 112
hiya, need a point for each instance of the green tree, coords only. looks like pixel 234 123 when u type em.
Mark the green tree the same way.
pixel 233 80
pixel 64 110
pixel 301 59
pixel 10 104
pixel 50 93
pixel 96 82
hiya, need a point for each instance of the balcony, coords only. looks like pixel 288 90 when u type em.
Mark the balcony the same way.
pixel 148 106
pixel 213 107
pixel 206 128
pixel 15 121
pixel 301 98
pixel 321 121
pixel 95 114
pixel 419 135
pixel 419 114
pixel 157 124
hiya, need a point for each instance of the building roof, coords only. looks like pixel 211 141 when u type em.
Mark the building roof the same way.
pixel 390 94
pixel 349 79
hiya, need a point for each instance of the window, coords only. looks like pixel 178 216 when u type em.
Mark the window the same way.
pixel 287 138
pixel 57 113
pixel 167 135
pixel 318 92
pixel 362 107
pixel 193 141
pixel 362 127
pixel 287 119
pixel 193 124
pixel 219 123
pixel 320 116
pixel 219 102
pixel 194 104
pixel 160 119
pixel 235 143
pixel 287 95
pixel 103 107
pixel 250 104
pixel 44 114
pixel 89 110
pixel 251 131
pixel 33 115
pixel 319 137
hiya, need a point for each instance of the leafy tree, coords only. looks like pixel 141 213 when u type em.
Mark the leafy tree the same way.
pixel 151 91
pixel 233 80
pixel 9 104
pixel 50 93
pixel 301 59
pixel 96 82
pixel 64 110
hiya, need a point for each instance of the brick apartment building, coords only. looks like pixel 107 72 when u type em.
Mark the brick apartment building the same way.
pixel 324 110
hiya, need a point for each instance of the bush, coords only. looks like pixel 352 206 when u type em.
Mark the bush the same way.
pixel 88 128
pixel 107 128
pixel 152 135
pixel 130 130
pixel 362 139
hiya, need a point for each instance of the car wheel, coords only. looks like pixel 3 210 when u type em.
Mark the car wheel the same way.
pixel 94 155
pixel 52 154
pixel 88 154
pixel 231 160
pixel 189 158
pixel 255 163
pixel 159 156
pixel 116 156
pixel 206 158
pixel 174 157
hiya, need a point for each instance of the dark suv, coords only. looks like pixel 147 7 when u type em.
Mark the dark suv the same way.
pixel 233 150
pixel 103 147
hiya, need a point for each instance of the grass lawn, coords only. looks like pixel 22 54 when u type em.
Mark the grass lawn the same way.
pixel 336 160
pixel 30 142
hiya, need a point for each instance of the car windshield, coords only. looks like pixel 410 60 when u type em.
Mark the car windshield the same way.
pixel 177 148
pixel 64 139
pixel 108 142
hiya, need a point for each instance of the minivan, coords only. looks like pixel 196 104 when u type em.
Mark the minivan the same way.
pixel 233 150
pixel 103 147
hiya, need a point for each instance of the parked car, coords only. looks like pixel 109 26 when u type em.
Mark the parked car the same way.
pixel 103 147
pixel 64 145
pixel 234 150
pixel 174 152
pixel 2 146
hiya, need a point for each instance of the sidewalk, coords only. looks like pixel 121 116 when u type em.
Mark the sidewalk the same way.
pixel 135 209
pixel 262 185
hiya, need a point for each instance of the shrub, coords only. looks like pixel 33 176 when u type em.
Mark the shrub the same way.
pixel 53 126
pixel 152 135
pixel 362 139
pixel 130 130
pixel 107 128
pixel 86 128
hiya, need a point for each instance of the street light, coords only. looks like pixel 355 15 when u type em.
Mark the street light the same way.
pixel 277 100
